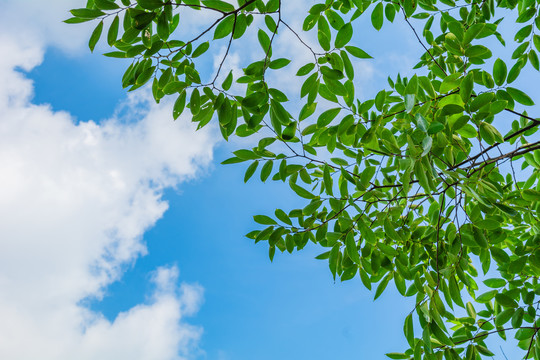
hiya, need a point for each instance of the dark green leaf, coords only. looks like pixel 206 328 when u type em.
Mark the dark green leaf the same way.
pixel 264 220
pixel 301 191
pixel 96 34
pixel 344 35
pixel 352 251
pixel 250 171
pixel 224 28
pixel 112 35
pixel 520 96
pixel 377 16
pixel 150 4
pixel 105 4
pixel 499 72
pixel 87 13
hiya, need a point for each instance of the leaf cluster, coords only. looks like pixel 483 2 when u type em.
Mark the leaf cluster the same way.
pixel 410 188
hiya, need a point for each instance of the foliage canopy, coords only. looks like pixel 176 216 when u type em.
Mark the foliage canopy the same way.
pixel 416 187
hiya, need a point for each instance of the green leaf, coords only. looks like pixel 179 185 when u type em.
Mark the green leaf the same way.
pixel 504 316
pixel 300 191
pixel 163 26
pixel 323 33
pixel 141 21
pixel 382 285
pixel 174 87
pixel 224 28
pixel 357 52
pixel 326 117
pixel 116 54
pixel 395 355
pixel 470 310
pixel 466 87
pixel 112 35
pixel 367 233
pixel 96 34
pixel 472 33
pixel 280 113
pixel 487 296
pixel 264 41
pixel 281 215
pixel 390 231
pixel 307 111
pixel 246 154
pixel 450 83
pixel 266 170
pixel 264 220
pixel 410 101
pixel 499 72
pixel 279 63
pixel 440 335
pixel 179 105
pixel 344 35
pixel 481 100
pixel 495 283
pixel 192 74
pixel 377 16
pixel 517 318
pixel 409 330
pixel 306 69
pixel 227 82
pixel 150 4
pixel 76 20
pixel 506 300
pixel 327 179
pixel 531 195
pixel 454 291
pixel 201 49
pixel 219 5
pixel 106 5
pixel 533 59
pixel 390 12
pixel 520 96
pixel 334 19
pixel 352 251
pixel 250 171
pixel 506 209
pixel 87 13
pixel 426 84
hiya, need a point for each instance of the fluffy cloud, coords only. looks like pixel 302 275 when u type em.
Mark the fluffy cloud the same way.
pixel 40 22
pixel 75 201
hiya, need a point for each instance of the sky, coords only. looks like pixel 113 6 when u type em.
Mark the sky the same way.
pixel 123 236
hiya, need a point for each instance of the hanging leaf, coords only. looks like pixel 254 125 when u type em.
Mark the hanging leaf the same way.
pixel 96 34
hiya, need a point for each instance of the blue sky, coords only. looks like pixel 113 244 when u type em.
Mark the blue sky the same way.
pixel 124 236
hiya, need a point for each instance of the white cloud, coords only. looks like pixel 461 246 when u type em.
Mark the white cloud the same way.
pixel 75 201
pixel 40 22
